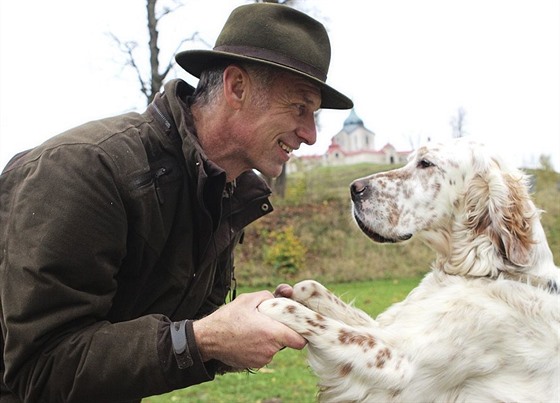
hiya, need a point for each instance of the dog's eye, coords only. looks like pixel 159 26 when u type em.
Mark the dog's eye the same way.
pixel 424 163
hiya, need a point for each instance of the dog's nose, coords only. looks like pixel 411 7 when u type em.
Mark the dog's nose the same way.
pixel 358 190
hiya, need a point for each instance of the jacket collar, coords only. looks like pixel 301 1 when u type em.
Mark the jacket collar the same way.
pixel 248 202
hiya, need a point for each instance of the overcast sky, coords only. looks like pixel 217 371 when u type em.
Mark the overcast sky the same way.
pixel 409 65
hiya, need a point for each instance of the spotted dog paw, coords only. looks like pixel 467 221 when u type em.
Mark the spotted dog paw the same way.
pixel 319 299
pixel 309 290
pixel 278 308
pixel 294 315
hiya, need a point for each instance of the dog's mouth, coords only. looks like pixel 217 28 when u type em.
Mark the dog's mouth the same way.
pixel 375 236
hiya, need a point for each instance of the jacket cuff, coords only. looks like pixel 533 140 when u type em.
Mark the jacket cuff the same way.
pixel 181 349
pixel 181 362
pixel 191 343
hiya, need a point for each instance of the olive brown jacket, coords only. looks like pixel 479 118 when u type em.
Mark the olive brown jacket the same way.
pixel 109 233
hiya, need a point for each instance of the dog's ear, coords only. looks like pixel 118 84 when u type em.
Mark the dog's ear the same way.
pixel 498 206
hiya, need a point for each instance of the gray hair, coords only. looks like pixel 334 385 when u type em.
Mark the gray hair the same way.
pixel 210 84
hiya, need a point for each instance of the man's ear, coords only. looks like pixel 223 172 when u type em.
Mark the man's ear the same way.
pixel 235 85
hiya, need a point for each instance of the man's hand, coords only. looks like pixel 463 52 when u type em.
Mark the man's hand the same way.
pixel 240 336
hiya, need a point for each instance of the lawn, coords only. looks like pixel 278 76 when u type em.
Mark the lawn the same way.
pixel 288 379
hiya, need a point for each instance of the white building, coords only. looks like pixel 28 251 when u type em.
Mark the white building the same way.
pixel 352 145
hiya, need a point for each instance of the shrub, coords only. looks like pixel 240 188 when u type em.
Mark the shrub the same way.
pixel 285 253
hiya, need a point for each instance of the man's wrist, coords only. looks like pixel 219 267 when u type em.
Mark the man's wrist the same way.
pixel 199 339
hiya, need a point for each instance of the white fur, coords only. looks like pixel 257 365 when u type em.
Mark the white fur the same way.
pixel 482 326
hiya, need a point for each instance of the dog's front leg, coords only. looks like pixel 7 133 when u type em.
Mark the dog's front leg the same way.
pixel 340 353
pixel 319 299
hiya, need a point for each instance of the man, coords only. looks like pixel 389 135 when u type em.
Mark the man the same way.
pixel 117 237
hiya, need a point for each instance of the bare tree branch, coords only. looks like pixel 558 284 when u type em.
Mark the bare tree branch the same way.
pixel 151 85
pixel 128 48
pixel 458 123
pixel 169 10
pixel 194 37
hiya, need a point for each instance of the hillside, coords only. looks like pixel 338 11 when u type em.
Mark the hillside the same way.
pixel 315 215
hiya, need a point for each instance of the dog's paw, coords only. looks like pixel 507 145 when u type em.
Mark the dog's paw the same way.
pixel 315 296
pixel 309 289
pixel 319 299
pixel 278 308
pixel 294 315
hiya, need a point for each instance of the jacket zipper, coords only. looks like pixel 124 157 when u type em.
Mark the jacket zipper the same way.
pixel 153 177
pixel 165 121
pixel 159 173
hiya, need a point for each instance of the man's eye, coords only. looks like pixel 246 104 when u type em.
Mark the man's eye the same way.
pixel 301 109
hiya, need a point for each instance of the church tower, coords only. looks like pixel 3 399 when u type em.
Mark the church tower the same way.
pixel 354 136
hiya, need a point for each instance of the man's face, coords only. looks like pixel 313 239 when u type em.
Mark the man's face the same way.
pixel 279 121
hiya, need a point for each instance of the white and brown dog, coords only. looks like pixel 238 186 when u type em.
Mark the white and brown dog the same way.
pixel 483 325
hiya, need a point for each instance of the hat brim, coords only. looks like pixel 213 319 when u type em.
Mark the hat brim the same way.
pixel 195 61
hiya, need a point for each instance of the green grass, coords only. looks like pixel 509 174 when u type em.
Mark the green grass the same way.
pixel 288 378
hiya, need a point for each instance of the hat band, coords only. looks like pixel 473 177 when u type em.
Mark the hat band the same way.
pixel 269 55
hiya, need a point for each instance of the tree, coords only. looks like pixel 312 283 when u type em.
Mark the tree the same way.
pixel 151 82
pixel 545 163
pixel 458 123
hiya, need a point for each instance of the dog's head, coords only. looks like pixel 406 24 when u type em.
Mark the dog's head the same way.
pixel 462 200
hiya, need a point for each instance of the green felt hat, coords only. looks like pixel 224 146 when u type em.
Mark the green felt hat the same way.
pixel 276 35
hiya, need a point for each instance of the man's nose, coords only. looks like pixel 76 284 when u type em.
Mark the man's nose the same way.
pixel 308 132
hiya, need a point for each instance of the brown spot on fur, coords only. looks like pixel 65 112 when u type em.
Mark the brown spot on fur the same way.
pixel 395 393
pixel 453 164
pixel 394 213
pixel 346 337
pixel 396 174
pixel 311 322
pixel 290 309
pixel 383 356
pixel 345 369
pixel 407 192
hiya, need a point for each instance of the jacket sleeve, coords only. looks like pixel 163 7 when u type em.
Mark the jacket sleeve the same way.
pixel 64 238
